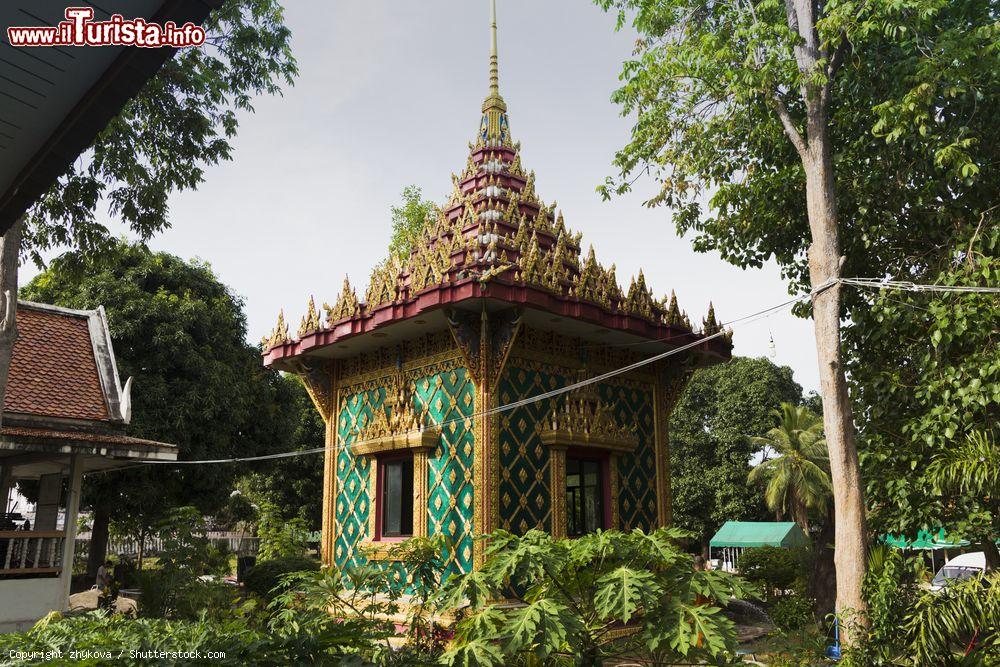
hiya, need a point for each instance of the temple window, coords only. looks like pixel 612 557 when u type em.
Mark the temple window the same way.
pixel 395 481
pixel 586 495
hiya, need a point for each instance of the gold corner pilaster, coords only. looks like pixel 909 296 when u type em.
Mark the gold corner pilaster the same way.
pixel 557 481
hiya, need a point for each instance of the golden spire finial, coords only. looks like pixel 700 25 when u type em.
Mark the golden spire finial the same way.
pixel 494 60
pixel 493 129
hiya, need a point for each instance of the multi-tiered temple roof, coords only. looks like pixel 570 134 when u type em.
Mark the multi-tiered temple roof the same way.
pixel 494 240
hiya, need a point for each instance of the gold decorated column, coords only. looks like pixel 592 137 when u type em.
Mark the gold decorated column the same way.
pixel 670 383
pixel 557 480
pixel 320 381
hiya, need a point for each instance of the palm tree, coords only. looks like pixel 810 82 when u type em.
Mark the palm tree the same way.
pixel 797 479
pixel 972 469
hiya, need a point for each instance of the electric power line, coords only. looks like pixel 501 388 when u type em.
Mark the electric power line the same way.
pixel 747 319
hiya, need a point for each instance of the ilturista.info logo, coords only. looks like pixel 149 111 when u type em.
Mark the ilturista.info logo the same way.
pixel 80 29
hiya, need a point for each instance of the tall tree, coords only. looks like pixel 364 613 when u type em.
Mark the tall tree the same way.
pixel 925 371
pixel 751 106
pixel 409 219
pixel 293 485
pixel 711 441
pixel 197 383
pixel 183 120
pixel 794 469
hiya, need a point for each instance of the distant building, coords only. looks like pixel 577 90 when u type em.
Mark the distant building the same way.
pixel 494 305
pixel 65 414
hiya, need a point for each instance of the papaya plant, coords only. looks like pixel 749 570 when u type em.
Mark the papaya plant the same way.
pixel 603 596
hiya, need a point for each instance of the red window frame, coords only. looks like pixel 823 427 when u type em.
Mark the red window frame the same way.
pixel 380 463
pixel 604 458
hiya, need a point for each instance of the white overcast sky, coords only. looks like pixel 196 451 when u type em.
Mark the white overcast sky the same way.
pixel 389 94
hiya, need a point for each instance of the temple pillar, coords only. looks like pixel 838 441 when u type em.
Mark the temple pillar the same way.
pixel 670 383
pixel 557 486
pixel 320 381
pixel 485 342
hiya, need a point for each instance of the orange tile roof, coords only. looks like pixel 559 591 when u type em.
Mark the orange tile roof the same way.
pixel 53 371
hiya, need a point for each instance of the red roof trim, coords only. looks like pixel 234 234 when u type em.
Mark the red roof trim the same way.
pixel 450 294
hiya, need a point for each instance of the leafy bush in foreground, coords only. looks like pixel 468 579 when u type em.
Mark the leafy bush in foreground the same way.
pixel 265 576
pixel 773 568
pixel 108 637
pixel 603 596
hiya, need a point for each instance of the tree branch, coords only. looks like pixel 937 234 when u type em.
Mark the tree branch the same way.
pixel 790 130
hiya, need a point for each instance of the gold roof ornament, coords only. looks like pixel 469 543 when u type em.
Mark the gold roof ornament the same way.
pixel 494 129
pixel 640 300
pixel 279 335
pixel 710 325
pixel 310 322
pixel 345 307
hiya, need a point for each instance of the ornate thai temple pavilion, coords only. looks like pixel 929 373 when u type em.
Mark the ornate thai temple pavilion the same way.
pixel 425 382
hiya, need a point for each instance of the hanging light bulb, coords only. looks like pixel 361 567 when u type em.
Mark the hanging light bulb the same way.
pixel 771 346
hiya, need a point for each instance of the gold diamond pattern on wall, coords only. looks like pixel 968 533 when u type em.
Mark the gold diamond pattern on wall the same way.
pixel 353 507
pixel 449 398
pixel 525 501
pixel 637 469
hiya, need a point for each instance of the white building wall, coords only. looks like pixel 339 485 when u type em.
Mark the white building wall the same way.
pixel 27 600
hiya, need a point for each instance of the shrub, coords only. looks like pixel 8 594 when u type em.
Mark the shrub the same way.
pixel 178 588
pixel 280 538
pixel 356 605
pixel 792 612
pixel 265 576
pixel 98 632
pixel 773 568
pixel 573 592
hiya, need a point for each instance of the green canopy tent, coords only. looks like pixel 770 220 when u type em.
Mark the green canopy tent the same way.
pixel 926 540
pixel 735 536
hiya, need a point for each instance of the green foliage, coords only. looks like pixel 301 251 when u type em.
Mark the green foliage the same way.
pixel 353 609
pixel 264 577
pixel 711 428
pixel 574 593
pixel 909 625
pixel 181 335
pixel 928 376
pixel 409 220
pixel 973 467
pixel 792 612
pixel 182 121
pixel 913 132
pixel 797 479
pixel 240 643
pixel 293 484
pixel 280 538
pixel 185 583
pixel 773 568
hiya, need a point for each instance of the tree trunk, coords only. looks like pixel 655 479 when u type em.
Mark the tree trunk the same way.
pixel 992 555
pixel 845 472
pixel 800 515
pixel 98 539
pixel 822 585
pixel 816 66
pixel 10 249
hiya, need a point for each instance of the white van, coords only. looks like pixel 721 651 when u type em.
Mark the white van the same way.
pixel 959 568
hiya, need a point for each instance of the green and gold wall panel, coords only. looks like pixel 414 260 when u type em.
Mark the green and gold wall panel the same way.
pixel 354 505
pixel 525 497
pixel 449 398
pixel 633 404
pixel 447 394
